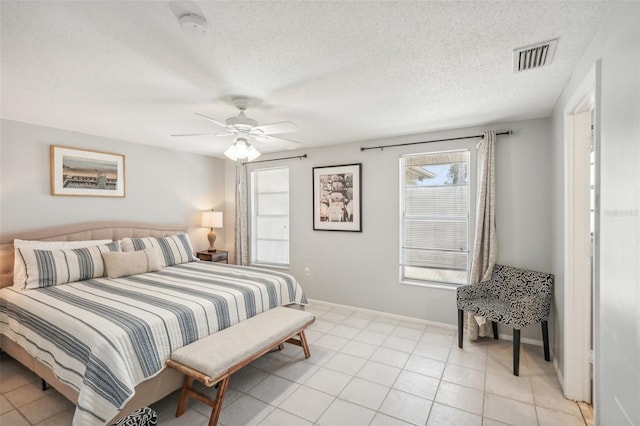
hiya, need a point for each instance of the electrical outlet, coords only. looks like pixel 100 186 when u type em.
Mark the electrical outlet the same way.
pixel 307 272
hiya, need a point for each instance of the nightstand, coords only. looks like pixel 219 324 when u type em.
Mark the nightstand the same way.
pixel 214 256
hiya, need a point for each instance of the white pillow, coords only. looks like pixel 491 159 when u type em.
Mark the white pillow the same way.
pixel 125 263
pixel 19 270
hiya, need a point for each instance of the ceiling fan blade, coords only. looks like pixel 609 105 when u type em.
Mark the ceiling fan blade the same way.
pixel 273 128
pixel 223 134
pixel 194 134
pixel 219 123
pixel 284 143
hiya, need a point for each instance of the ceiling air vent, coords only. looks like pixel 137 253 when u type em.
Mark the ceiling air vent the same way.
pixel 534 56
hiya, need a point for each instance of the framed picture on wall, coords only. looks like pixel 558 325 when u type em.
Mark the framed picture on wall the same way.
pixel 337 198
pixel 85 173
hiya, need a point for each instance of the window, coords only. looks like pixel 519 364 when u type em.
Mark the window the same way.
pixel 270 216
pixel 434 204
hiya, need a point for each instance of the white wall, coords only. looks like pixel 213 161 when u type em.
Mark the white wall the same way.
pixel 162 186
pixel 361 269
pixel 617 46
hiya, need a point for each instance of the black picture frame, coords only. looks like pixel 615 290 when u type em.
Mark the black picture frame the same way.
pixel 337 198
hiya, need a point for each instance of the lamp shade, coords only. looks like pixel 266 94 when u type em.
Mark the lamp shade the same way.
pixel 212 219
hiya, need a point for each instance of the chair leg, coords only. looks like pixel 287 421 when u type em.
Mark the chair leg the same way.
pixel 516 352
pixel 494 325
pixel 545 340
pixel 460 326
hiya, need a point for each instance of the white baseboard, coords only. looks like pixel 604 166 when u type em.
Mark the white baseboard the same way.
pixel 386 314
pixel 528 341
pixel 556 367
pixel 502 336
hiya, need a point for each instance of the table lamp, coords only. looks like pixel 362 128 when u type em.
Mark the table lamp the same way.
pixel 211 219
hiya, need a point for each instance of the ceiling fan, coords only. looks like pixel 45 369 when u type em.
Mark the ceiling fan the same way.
pixel 245 129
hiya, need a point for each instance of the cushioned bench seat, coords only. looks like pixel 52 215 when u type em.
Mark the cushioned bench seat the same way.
pixel 215 358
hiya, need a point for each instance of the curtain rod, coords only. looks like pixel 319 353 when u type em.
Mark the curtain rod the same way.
pixel 382 147
pixel 276 159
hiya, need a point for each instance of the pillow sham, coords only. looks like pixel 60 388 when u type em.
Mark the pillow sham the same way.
pixel 175 249
pixel 19 270
pixel 122 263
pixel 46 268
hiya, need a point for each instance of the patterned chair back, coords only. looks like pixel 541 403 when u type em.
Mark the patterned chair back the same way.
pixel 513 282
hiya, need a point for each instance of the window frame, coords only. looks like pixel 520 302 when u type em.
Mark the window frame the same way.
pixel 472 181
pixel 253 205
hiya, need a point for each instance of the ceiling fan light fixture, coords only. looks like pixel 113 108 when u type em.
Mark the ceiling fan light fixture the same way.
pixel 245 129
pixel 242 149
pixel 253 153
pixel 231 153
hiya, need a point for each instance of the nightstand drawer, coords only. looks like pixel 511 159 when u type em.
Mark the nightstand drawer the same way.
pixel 214 256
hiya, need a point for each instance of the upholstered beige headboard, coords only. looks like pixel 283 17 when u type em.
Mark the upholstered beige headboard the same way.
pixel 83 231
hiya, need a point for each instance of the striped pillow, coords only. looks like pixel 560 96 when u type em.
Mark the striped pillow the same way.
pixel 175 249
pixel 46 268
pixel 19 271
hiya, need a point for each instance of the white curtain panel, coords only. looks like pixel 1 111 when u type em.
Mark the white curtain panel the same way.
pixel 485 247
pixel 242 216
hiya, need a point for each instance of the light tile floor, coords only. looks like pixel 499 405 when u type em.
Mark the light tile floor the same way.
pixel 365 369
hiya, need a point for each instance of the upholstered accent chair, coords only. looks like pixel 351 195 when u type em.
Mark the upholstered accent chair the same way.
pixel 513 296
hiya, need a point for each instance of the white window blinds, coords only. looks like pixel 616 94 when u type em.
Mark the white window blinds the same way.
pixel 270 216
pixel 435 217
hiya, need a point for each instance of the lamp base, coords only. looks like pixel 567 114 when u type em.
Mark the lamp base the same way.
pixel 212 239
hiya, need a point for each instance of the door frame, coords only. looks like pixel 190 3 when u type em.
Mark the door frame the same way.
pixel 578 298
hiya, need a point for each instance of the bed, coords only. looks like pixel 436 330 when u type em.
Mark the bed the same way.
pixel 103 342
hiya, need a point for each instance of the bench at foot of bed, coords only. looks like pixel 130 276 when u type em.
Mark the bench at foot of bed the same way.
pixel 215 358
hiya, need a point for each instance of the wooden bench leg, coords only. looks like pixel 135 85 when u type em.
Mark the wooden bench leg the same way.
pixel 217 406
pixel 302 342
pixel 184 395
pixel 281 347
pixel 305 345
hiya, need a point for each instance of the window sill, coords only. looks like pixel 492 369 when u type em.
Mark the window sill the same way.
pixel 439 286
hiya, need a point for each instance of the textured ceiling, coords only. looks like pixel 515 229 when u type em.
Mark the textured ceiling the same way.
pixel 342 71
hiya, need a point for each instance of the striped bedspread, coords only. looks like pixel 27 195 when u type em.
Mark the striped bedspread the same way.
pixel 103 337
